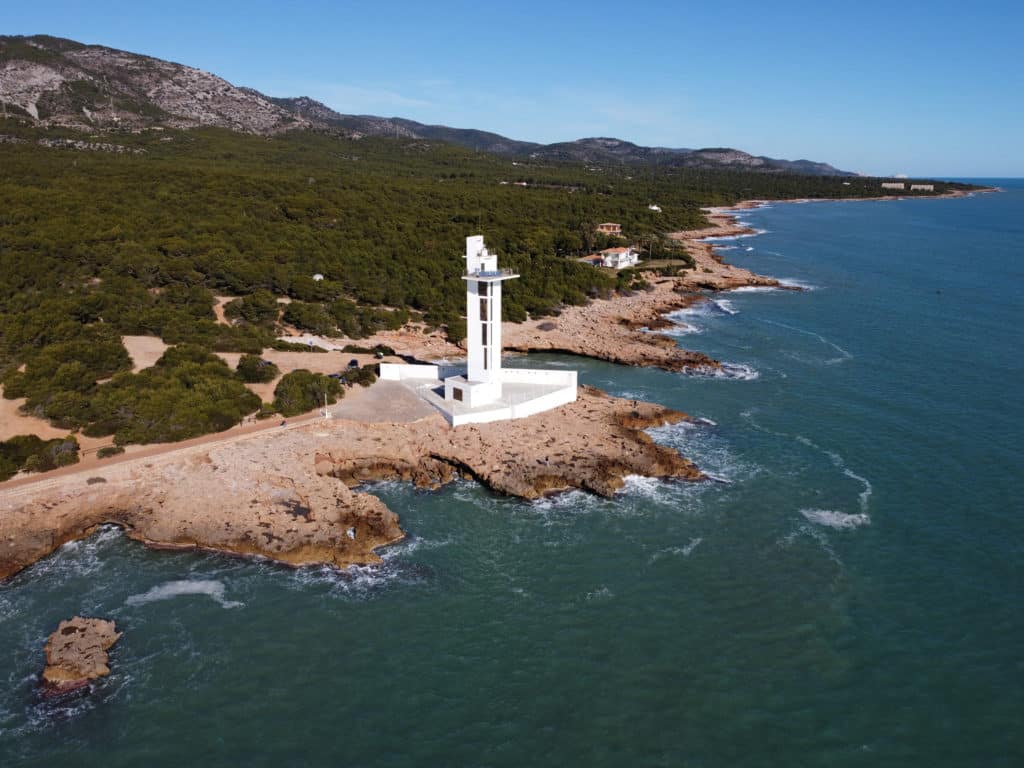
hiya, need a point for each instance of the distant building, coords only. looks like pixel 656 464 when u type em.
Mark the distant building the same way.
pixel 318 277
pixel 609 228
pixel 655 208
pixel 893 185
pixel 922 187
pixel 619 258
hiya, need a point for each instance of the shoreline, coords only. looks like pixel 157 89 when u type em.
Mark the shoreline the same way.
pixel 295 497
pixel 302 508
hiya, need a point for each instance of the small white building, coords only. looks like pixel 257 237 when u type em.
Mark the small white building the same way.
pixel 655 208
pixel 893 185
pixel 318 277
pixel 922 187
pixel 483 390
pixel 619 258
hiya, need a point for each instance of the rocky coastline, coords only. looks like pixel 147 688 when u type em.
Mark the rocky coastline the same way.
pixel 292 495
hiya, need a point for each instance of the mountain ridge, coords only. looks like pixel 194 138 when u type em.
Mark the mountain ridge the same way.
pixel 56 82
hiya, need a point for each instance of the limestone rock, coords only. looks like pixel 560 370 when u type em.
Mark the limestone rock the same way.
pixel 76 654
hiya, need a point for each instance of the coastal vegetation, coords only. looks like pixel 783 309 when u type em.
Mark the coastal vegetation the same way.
pixel 301 391
pixel 323 233
pixel 33 454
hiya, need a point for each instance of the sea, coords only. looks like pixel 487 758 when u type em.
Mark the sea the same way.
pixel 848 589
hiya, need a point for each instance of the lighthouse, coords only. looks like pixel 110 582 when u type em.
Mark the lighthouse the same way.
pixel 483 379
pixel 482 391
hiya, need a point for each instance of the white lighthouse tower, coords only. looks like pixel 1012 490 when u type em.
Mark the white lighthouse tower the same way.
pixel 482 391
pixel 483 379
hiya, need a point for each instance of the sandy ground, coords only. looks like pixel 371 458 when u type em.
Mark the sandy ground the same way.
pixel 218 308
pixel 143 350
pixel 14 423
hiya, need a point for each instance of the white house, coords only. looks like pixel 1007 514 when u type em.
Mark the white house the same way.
pixel 892 185
pixel 619 258
pixel 483 390
pixel 922 187
pixel 655 208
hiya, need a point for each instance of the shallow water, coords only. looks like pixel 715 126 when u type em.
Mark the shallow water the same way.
pixel 849 593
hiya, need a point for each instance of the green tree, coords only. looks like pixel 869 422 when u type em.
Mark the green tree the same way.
pixel 301 391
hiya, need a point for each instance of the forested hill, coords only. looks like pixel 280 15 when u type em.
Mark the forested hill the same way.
pixel 132 228
pixel 56 82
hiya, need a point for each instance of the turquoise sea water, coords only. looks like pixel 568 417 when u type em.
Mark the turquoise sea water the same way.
pixel 851 596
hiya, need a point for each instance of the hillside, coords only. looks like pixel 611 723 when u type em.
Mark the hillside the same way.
pixel 63 83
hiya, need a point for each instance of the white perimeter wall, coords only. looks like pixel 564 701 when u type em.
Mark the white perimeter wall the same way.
pixel 403 372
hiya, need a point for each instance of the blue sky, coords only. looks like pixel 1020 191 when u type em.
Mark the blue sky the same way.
pixel 923 88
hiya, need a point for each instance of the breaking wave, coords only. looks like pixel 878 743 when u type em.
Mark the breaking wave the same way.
pixel 172 589
pixel 735 371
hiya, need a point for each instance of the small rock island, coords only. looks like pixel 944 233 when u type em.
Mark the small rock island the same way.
pixel 76 654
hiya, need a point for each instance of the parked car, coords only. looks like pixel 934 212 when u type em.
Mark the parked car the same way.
pixel 353 363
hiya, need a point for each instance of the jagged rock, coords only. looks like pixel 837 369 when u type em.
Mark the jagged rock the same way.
pixel 76 654
pixel 287 495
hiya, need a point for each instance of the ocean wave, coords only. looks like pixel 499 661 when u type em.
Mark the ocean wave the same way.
pixel 84 557
pixel 839 463
pixel 709 308
pixel 817 536
pixel 830 518
pixel 361 582
pixel 733 371
pixel 629 394
pixel 683 551
pixel 792 282
pixel 680 329
pixel 172 589
pixel 707 449
pixel 843 356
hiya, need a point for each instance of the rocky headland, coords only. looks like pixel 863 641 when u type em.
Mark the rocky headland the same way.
pixel 291 494
pixel 76 654
pixel 622 329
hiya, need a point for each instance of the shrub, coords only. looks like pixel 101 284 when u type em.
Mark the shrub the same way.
pixel 364 376
pixel 301 391
pixel 254 370
pixel 109 450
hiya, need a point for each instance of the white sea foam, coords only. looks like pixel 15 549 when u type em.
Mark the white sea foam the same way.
pixel 172 589
pixel 754 289
pixel 816 535
pixel 726 306
pixel 864 495
pixel 603 593
pixel 749 248
pixel 830 518
pixel 629 394
pixel 683 551
pixel 792 282
pixel 736 371
pixel 708 450
pixel 843 355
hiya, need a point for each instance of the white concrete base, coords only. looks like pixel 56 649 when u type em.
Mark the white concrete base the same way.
pixel 521 392
pixel 472 394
